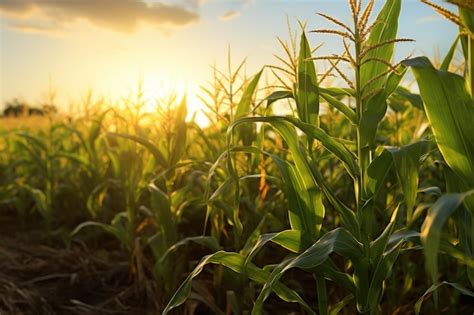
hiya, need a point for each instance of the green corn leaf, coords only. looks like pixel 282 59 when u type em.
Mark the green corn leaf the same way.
pixel 179 139
pixel 96 198
pixel 401 95
pixel 335 309
pixel 347 215
pixel 161 207
pixel 407 161
pixel 449 56
pixel 455 184
pixel 235 262
pixel 379 245
pixel 375 108
pixel 243 108
pixel 450 111
pixel 435 287
pixel 246 133
pixel 37 142
pixel 278 95
pixel 383 259
pixel 300 208
pixel 377 172
pixel 467 41
pixel 331 144
pixel 41 201
pixel 308 215
pixel 394 78
pixel 96 126
pixel 337 92
pixel 222 189
pixel 254 236
pixel 116 230
pixel 382 272
pixel 340 106
pixel 384 31
pixel 75 158
pixel 321 291
pixel 307 90
pixel 154 150
pixel 289 239
pixel 338 241
pixel 206 241
pixel 330 271
pixel 432 229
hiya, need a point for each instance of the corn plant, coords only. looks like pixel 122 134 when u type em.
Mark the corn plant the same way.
pixel 368 50
pixel 48 157
pixel 449 106
pixel 330 209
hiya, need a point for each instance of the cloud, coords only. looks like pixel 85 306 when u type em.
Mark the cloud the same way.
pixel 38 28
pixel 229 15
pixel 428 19
pixel 118 15
pixel 234 13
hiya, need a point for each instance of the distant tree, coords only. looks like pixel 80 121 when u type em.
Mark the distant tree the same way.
pixel 33 111
pixel 16 108
pixel 49 109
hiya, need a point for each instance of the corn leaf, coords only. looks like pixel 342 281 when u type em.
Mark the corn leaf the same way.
pixel 154 150
pixel 340 106
pixel 449 56
pixel 450 111
pixel 94 130
pixel 235 262
pixel 206 241
pixel 307 90
pixel 338 241
pixel 377 172
pixel 435 287
pixel 407 161
pixel 311 212
pixel 179 138
pixel 375 108
pixel 347 215
pixel 278 95
pixel 432 229
pixel 161 207
pixel 307 212
pixel 384 31
pixel 331 144
pixel 243 107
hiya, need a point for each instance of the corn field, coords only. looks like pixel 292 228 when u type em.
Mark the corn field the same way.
pixel 360 199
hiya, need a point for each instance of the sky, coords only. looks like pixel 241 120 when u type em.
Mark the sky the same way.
pixel 108 46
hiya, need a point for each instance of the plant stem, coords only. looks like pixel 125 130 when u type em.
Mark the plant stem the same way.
pixel 362 275
pixel 322 295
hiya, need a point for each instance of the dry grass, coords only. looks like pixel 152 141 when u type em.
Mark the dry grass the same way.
pixel 27 122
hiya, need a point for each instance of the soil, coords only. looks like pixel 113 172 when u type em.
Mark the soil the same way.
pixel 45 276
pixel 55 279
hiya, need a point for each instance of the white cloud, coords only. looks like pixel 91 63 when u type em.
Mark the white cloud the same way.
pixel 118 15
pixel 229 15
pixel 428 19
pixel 233 13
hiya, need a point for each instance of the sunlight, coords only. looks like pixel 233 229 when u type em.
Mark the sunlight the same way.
pixel 157 89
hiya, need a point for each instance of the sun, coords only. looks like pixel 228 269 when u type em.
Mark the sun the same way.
pixel 155 90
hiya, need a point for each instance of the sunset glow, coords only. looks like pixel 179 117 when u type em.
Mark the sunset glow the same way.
pixel 167 44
